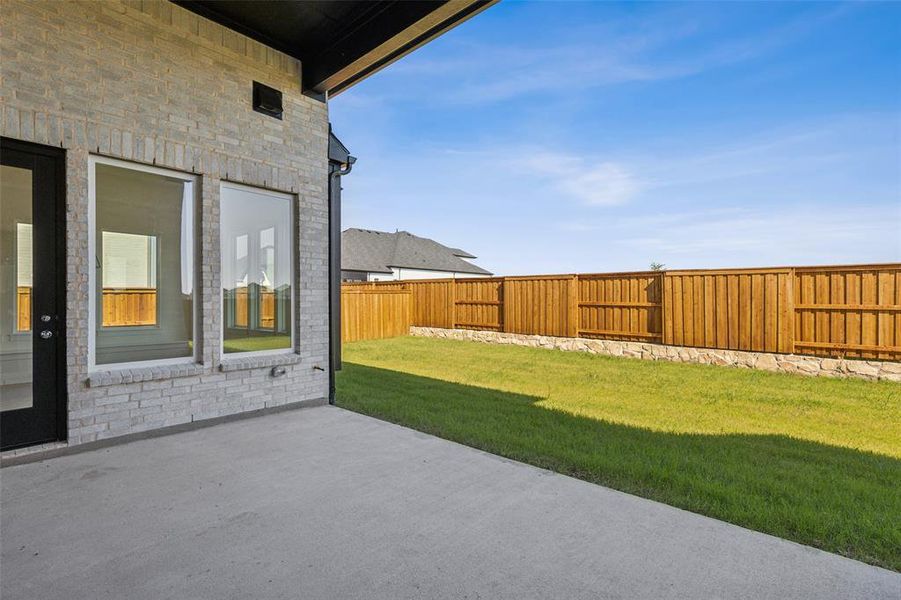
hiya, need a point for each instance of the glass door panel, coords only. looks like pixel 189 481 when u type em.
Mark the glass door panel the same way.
pixel 16 282
pixel 32 294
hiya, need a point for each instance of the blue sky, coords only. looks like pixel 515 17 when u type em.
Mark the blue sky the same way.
pixel 562 137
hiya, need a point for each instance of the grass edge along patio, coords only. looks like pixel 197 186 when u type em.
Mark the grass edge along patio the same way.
pixel 816 461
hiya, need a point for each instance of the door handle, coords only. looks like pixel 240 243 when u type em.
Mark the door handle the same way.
pixel 46 334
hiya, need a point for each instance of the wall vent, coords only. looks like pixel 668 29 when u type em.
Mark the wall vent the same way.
pixel 267 100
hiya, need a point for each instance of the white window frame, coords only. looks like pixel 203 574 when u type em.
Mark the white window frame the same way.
pixel 292 203
pixel 93 161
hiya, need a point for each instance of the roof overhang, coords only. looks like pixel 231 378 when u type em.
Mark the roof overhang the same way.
pixel 339 43
pixel 337 151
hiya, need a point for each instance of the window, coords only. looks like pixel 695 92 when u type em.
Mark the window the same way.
pixel 23 277
pixel 143 250
pixel 257 270
pixel 129 279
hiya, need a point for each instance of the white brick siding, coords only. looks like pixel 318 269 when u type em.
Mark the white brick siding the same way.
pixel 150 82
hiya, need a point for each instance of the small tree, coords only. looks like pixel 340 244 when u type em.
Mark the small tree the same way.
pixel 656 266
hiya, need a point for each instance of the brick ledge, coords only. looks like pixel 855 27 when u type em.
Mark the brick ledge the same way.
pixel 138 374
pixel 259 362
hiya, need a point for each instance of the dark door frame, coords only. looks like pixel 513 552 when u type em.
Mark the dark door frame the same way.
pixel 50 201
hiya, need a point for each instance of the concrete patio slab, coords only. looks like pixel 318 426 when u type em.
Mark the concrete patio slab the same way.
pixel 324 503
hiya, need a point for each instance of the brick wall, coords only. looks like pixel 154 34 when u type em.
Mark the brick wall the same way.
pixel 149 82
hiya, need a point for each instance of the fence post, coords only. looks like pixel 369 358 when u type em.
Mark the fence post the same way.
pixel 663 307
pixel 409 295
pixel 574 312
pixel 453 303
pixel 790 309
pixel 504 304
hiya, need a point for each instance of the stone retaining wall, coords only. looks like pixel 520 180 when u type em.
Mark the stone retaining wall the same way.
pixel 785 363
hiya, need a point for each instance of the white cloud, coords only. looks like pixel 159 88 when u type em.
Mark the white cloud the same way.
pixel 606 184
pixel 843 158
pixel 596 183
pixel 525 189
pixel 748 236
pixel 826 191
pixel 626 50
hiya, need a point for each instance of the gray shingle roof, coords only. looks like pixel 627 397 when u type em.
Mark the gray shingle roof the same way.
pixel 378 251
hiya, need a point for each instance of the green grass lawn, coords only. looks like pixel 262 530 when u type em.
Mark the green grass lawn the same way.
pixel 813 460
pixel 253 344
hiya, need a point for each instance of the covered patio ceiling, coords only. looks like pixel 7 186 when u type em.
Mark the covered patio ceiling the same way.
pixel 339 43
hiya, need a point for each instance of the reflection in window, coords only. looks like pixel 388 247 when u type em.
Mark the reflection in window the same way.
pixel 240 281
pixel 129 266
pixel 16 287
pixel 23 276
pixel 256 269
pixel 144 249
pixel 267 276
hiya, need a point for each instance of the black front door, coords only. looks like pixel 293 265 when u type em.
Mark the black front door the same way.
pixel 32 294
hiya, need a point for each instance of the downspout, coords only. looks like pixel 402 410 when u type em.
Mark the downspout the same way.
pixel 336 171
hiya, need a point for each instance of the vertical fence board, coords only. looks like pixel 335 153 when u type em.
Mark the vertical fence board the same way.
pixel 541 305
pixel 678 311
pixel 368 314
pixel 730 309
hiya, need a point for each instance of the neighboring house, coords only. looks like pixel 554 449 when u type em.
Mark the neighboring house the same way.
pixel 170 218
pixel 381 256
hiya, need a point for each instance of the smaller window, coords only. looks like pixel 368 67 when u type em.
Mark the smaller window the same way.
pixel 257 269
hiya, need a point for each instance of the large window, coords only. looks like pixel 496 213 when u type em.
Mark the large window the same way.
pixel 257 269
pixel 143 251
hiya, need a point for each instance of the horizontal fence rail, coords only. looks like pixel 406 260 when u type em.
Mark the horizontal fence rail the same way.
pixel 851 311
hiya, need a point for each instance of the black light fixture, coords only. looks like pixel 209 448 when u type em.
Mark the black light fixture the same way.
pixel 267 100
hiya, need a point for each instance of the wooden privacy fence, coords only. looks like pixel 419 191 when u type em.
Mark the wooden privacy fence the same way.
pixel 855 311
pixel 23 308
pixel 120 307
pixel 368 314
pixel 266 307
pixel 129 307
pixel 852 311
pixel 739 310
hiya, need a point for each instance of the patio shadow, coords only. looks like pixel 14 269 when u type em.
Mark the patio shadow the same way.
pixel 838 499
